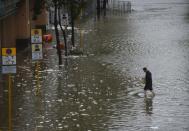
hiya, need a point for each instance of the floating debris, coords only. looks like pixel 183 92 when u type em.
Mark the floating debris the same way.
pixel 59 124
pixel 18 85
pixel 84 114
pixel 40 126
pixel 20 108
pixel 60 127
pixel 154 127
pixel 94 102
pixel 41 122
pixel 66 126
pixel 101 81
pixel 59 100
pixel 27 91
pixel 71 85
pixel 5 91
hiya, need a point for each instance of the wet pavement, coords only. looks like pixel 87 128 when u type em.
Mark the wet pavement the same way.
pixel 103 89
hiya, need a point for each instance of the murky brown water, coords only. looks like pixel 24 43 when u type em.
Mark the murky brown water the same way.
pixel 102 91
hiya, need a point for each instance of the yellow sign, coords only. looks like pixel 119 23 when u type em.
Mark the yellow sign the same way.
pixel 36 32
pixel 8 51
pixel 36 36
pixel 36 47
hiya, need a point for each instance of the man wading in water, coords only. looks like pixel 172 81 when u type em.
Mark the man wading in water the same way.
pixel 148 81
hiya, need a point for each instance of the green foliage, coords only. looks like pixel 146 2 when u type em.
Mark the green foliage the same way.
pixel 73 6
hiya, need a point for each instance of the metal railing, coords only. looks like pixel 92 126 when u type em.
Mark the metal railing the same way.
pixel 7 7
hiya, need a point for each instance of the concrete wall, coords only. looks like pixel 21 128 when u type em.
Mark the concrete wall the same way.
pixel 42 19
pixel 15 26
pixel 15 29
pixel 8 33
pixel 23 21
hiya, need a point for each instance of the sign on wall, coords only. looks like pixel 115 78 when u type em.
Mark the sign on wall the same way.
pixel 37 53
pixel 8 60
pixel 8 69
pixel 36 40
pixel 36 36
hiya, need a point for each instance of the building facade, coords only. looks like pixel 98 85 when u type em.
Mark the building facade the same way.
pixel 16 22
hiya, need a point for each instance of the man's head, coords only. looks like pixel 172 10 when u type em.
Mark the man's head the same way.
pixel 144 69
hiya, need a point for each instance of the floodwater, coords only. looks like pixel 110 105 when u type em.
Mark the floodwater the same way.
pixel 102 90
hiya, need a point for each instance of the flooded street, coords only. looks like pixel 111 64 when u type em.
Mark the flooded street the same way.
pixel 103 89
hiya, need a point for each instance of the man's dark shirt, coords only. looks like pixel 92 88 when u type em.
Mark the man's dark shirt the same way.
pixel 148 79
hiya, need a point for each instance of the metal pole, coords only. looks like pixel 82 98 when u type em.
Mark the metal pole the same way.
pixel 38 82
pixel 10 103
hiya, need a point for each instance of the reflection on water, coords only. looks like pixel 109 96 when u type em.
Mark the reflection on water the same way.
pixel 104 90
pixel 148 106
